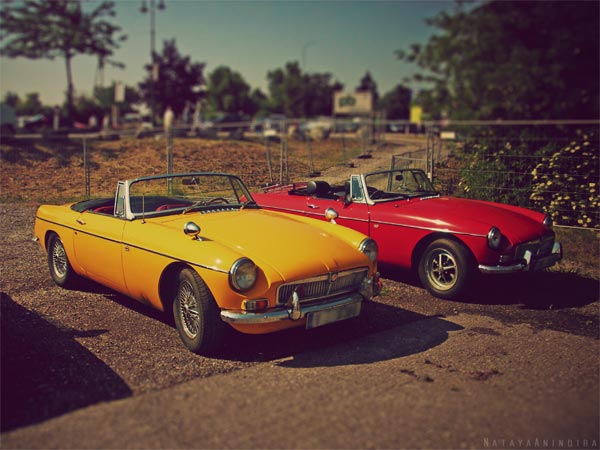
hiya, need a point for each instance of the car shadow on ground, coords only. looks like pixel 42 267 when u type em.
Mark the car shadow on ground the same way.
pixel 539 290
pixel 535 290
pixel 375 317
pixel 45 372
pixel 376 335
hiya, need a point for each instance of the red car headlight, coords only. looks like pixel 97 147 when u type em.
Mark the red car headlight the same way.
pixel 494 238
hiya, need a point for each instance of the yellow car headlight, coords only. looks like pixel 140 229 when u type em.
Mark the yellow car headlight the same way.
pixel 242 274
pixel 369 248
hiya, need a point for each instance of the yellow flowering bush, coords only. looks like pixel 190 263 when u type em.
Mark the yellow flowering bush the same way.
pixel 565 184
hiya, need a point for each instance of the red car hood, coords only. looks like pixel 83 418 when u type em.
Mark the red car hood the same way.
pixel 471 216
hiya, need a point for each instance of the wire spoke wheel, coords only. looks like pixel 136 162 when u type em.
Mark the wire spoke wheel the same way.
pixel 59 259
pixel 58 263
pixel 188 311
pixel 196 313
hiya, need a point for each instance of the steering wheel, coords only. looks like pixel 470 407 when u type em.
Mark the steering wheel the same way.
pixel 217 199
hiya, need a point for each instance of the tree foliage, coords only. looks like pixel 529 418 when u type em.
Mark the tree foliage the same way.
pixel 367 84
pixel 40 29
pixel 177 82
pixel 301 95
pixel 228 92
pixel 517 60
pixel 396 103
pixel 29 106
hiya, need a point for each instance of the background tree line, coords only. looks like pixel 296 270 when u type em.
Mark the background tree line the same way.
pixel 494 60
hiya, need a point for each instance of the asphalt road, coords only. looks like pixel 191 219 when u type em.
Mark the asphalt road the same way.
pixel 516 366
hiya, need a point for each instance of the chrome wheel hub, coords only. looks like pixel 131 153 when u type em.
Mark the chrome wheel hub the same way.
pixel 442 269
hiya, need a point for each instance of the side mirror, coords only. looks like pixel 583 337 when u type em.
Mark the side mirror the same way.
pixel 192 229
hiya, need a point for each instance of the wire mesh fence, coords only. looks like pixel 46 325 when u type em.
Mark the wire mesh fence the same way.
pixel 547 167
pixel 551 167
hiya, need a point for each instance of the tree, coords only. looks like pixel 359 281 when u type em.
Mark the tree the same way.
pixel 37 29
pixel 301 95
pixel 286 89
pixel 31 105
pixel 367 84
pixel 177 82
pixel 105 98
pixel 11 99
pixel 517 60
pixel 228 92
pixel 320 89
pixel 396 103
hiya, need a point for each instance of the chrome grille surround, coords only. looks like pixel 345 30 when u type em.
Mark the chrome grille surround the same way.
pixel 538 248
pixel 323 286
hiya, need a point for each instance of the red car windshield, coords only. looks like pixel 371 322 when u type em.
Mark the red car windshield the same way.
pixel 392 184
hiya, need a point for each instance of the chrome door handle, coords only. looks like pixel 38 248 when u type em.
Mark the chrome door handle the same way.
pixel 80 221
pixel 312 206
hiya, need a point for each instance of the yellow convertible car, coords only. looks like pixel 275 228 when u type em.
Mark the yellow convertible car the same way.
pixel 198 245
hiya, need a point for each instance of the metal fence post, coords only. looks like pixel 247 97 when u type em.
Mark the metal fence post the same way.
pixel 86 169
pixel 269 162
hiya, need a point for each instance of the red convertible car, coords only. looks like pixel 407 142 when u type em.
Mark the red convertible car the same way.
pixel 447 241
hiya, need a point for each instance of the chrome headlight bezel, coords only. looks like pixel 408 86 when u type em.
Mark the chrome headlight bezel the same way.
pixel 494 238
pixel 243 274
pixel 370 248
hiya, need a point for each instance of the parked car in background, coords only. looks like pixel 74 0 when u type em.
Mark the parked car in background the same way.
pixel 315 129
pixel 271 125
pixel 227 123
pixel 197 245
pixel 446 241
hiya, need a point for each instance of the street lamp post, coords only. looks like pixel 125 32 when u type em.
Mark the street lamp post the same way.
pixel 304 49
pixel 154 76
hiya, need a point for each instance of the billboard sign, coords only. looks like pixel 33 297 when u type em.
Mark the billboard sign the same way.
pixel 356 103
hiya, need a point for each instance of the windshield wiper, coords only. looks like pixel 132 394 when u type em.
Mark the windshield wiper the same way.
pixel 192 206
pixel 252 203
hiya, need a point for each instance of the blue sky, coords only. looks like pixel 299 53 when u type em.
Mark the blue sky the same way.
pixel 343 38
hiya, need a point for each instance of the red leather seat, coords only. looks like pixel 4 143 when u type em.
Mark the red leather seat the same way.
pixel 110 210
pixel 171 206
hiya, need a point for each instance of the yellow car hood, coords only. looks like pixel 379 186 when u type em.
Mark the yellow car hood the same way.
pixel 279 242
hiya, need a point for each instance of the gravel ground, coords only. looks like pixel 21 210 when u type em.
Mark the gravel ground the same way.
pixel 64 350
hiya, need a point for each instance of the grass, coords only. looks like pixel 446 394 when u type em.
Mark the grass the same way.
pixel 581 250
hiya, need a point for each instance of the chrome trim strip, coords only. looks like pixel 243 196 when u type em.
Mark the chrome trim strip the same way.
pixel 519 267
pixel 322 278
pixel 536 264
pixel 134 246
pixel 285 313
pixel 442 230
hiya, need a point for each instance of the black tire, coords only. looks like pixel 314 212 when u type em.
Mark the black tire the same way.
pixel 447 269
pixel 196 314
pixel 60 268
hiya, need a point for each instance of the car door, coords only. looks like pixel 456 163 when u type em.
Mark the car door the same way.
pixel 98 248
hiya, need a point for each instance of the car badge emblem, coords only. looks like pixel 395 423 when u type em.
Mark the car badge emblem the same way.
pixel 333 276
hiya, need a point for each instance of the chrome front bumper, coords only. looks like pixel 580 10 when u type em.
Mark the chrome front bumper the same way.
pixel 320 313
pixel 528 263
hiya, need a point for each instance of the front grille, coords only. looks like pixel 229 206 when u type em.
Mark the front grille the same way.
pixel 328 285
pixel 538 249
